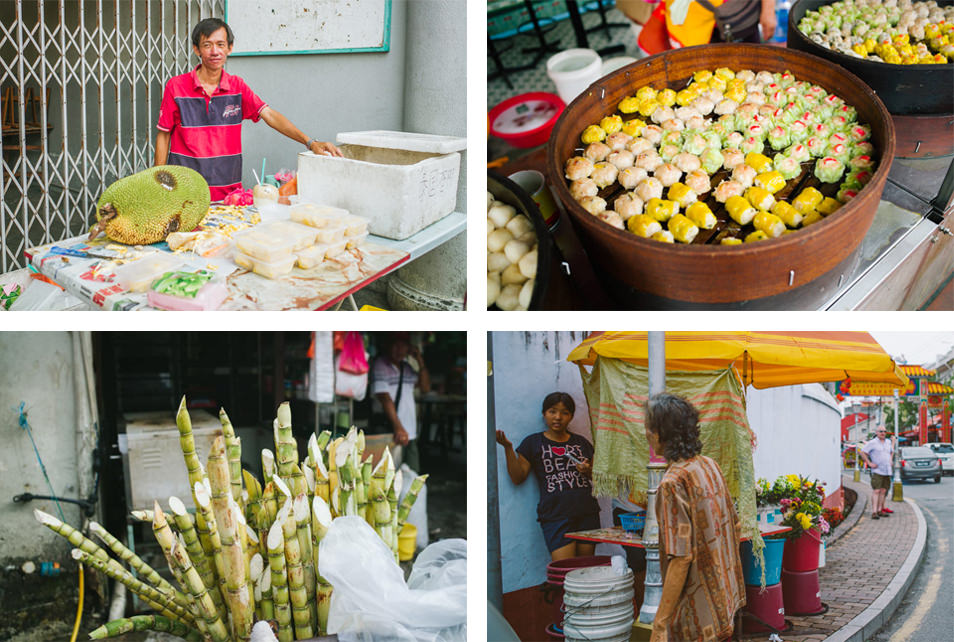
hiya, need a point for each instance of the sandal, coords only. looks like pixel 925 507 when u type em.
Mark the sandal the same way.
pixel 875 516
pixel 884 514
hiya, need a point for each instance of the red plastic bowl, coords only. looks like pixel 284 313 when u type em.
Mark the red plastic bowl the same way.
pixel 526 120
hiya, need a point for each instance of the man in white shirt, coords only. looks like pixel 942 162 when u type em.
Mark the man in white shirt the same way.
pixel 393 386
pixel 877 454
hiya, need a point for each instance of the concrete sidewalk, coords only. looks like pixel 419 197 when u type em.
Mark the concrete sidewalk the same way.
pixel 866 573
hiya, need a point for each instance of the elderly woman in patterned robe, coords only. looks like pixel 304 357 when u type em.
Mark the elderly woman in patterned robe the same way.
pixel 703 585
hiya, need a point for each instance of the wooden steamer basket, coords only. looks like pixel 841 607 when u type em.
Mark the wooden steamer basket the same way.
pixel 699 275
pixel 920 98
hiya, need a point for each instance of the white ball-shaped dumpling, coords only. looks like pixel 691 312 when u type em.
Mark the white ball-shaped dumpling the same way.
pixel 490 200
pixel 501 213
pixel 526 293
pixel 497 262
pixel 512 275
pixel 509 297
pixel 529 237
pixel 528 264
pixel 493 288
pixel 515 250
pixel 498 239
pixel 519 225
pixel 490 226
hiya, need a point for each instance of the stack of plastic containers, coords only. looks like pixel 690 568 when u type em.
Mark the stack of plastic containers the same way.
pixel 767 607
pixel 800 575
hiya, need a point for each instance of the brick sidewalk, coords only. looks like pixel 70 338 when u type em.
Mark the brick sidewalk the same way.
pixel 858 568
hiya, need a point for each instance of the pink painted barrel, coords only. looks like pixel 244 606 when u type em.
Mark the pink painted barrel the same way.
pixel 801 553
pixel 768 606
pixel 801 592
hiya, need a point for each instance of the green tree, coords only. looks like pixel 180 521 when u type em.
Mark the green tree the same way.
pixel 908 417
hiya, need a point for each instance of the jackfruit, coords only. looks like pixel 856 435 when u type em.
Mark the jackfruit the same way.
pixel 148 206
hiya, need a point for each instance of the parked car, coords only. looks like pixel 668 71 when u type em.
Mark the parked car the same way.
pixel 945 452
pixel 920 462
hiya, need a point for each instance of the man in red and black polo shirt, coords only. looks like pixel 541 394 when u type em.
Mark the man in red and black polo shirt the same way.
pixel 200 119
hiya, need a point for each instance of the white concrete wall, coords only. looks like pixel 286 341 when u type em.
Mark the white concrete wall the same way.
pixel 799 432
pixel 37 368
pixel 527 367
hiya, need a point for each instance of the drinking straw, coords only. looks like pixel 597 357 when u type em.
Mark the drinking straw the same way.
pixel 263 168
pixel 257 179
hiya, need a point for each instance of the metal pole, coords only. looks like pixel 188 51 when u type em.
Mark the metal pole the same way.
pixel 897 493
pixel 494 573
pixel 654 580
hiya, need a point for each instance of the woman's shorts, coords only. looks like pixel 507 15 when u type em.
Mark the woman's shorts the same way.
pixel 880 482
pixel 554 532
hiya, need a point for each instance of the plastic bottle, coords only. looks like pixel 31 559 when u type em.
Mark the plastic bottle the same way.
pixel 781 20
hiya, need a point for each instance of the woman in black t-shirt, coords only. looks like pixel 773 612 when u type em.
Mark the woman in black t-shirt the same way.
pixel 562 464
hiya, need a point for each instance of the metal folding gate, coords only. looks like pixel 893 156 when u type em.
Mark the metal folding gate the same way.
pixel 80 82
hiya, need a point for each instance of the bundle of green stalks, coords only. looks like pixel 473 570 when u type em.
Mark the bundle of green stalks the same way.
pixel 250 551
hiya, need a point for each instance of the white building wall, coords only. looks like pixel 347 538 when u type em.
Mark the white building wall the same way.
pixel 799 432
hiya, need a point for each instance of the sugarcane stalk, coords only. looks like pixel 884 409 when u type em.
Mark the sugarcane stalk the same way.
pixel 343 458
pixel 322 440
pixel 148 573
pixel 142 515
pixel 410 498
pixel 323 603
pixel 320 523
pixel 268 464
pixel 187 443
pixel 322 488
pixel 162 603
pixel 395 531
pixel 264 598
pixel 203 566
pixel 382 515
pixel 368 491
pixel 179 562
pixel 203 505
pixel 226 521
pixel 301 613
pixel 309 473
pixel 275 543
pixel 270 504
pixel 255 572
pixel 233 449
pixel 302 515
pixel 296 481
pixel 333 472
pixel 286 450
pixel 360 442
pixel 74 537
pixel 145 623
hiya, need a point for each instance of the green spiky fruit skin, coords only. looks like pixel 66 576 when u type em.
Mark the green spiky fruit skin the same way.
pixel 153 203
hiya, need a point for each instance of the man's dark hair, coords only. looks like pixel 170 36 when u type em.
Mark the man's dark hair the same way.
pixel 209 26
pixel 676 422
pixel 554 398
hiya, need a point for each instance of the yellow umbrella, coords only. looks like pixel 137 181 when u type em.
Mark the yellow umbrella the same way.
pixel 762 359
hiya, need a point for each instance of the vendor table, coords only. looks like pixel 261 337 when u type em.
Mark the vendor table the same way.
pixel 73 264
pixel 616 535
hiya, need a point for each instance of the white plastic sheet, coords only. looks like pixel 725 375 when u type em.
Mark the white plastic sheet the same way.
pixel 371 601
pixel 321 375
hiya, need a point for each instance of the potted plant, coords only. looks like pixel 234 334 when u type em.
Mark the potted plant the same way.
pixel 802 511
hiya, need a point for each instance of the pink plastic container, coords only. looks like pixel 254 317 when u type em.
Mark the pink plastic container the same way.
pixel 768 607
pixel 801 592
pixel 801 553
pixel 210 297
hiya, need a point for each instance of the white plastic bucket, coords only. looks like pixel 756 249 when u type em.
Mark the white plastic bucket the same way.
pixel 574 70
pixel 599 604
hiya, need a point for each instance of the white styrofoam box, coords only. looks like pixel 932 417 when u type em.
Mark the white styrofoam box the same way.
pixel 400 182
pixel 157 469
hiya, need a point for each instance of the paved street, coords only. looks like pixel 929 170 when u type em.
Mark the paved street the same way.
pixel 925 613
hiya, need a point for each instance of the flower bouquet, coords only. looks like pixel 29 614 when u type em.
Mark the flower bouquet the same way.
pixel 802 506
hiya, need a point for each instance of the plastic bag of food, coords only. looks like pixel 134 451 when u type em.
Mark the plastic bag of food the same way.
pixel 372 603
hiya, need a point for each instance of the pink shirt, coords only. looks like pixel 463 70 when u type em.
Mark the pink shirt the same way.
pixel 206 131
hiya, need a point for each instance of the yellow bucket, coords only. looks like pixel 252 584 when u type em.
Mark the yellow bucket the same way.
pixel 407 542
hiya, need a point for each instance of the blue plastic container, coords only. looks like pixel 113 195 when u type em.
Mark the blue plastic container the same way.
pixel 633 522
pixel 751 569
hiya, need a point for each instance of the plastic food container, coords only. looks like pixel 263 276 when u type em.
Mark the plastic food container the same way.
pixel 526 120
pixel 336 248
pixel 330 233
pixel 268 269
pixel 210 297
pixel 354 225
pixel 317 215
pixel 312 256
pixel 275 240
pixel 401 182
pixel 138 275
pixel 356 240
pixel 632 522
